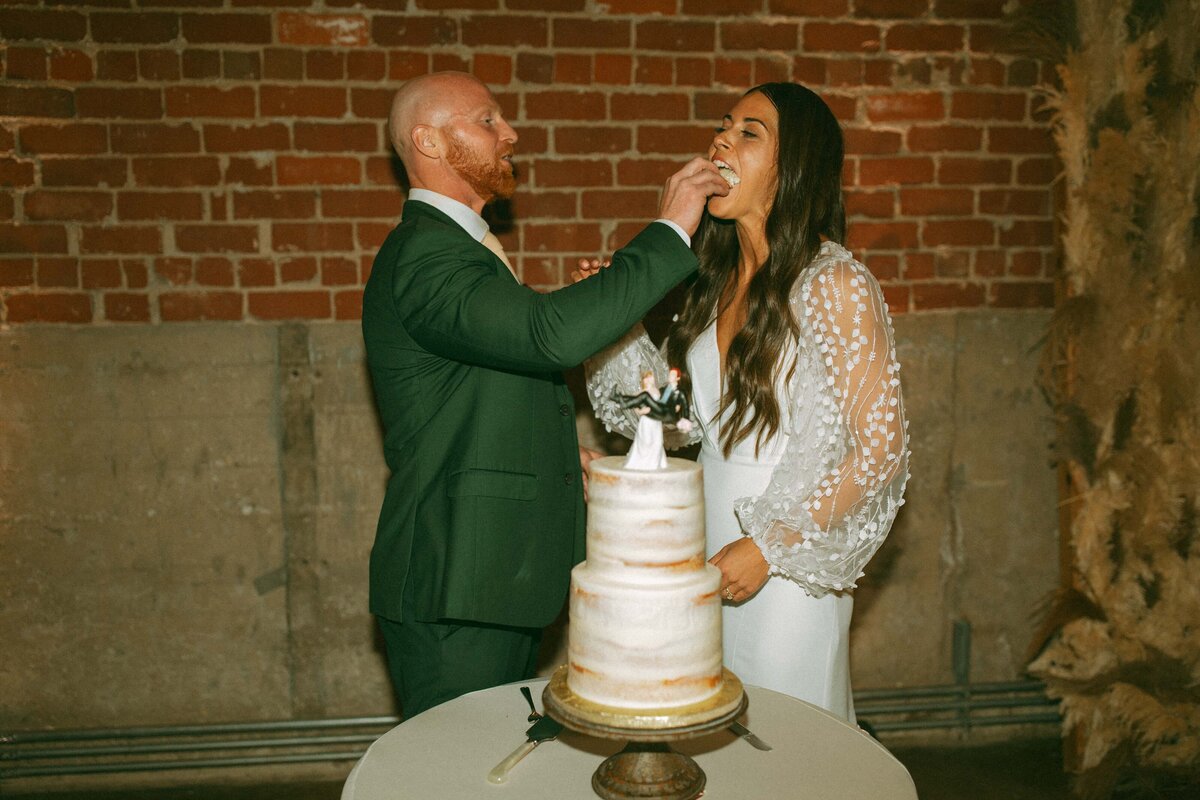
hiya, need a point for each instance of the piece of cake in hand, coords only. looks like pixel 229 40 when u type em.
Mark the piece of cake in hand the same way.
pixel 645 614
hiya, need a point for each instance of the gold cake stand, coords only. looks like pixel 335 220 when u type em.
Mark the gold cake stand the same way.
pixel 647 767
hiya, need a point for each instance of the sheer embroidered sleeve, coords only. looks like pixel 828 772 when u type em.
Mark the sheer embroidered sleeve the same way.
pixel 832 499
pixel 618 369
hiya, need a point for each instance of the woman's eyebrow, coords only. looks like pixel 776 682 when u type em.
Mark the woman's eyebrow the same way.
pixel 729 119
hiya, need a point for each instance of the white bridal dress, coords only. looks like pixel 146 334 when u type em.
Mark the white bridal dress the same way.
pixel 818 497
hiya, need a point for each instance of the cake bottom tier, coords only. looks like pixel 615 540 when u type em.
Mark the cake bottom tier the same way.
pixel 633 645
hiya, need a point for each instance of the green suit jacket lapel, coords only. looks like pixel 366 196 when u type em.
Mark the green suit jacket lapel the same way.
pixel 457 236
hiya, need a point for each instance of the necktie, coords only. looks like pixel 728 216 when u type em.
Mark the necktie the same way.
pixel 492 243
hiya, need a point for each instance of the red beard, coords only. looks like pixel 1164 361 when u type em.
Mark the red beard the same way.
pixel 490 179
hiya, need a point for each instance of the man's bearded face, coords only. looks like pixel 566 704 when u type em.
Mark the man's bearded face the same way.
pixel 488 175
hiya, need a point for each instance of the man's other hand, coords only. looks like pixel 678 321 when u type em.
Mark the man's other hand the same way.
pixel 586 457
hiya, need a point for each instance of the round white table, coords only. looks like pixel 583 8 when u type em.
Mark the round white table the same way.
pixel 447 752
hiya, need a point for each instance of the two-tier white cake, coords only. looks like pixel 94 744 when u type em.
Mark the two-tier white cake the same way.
pixel 645 614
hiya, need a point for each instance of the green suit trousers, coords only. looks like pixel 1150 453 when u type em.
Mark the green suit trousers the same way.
pixel 432 662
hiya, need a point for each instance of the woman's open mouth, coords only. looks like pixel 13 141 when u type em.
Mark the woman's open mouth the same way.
pixel 727 172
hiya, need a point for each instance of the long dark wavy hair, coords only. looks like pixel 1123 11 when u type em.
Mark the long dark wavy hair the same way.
pixel 807 205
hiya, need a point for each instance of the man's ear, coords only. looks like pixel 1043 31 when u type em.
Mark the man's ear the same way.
pixel 426 140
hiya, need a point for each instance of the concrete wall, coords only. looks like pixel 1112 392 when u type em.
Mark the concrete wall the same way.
pixel 186 513
pixel 977 538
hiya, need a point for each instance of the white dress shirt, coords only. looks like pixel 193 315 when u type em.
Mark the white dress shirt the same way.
pixel 461 213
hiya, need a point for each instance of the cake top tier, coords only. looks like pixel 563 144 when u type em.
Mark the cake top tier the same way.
pixel 681 483
pixel 648 522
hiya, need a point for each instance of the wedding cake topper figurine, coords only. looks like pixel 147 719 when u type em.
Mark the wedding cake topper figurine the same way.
pixel 655 405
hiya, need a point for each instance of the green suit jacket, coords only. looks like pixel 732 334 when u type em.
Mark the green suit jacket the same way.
pixel 484 508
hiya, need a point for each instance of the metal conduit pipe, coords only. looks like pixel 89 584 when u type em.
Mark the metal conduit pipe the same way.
pixel 152 766
pixel 194 747
pixel 21 752
pixel 862 699
pixel 978 722
pixel 953 705
pixel 354 755
pixel 961 705
pixel 961 700
pixel 972 688
pixel 23 737
pixel 863 702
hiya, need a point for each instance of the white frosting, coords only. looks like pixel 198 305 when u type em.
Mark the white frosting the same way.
pixel 645 614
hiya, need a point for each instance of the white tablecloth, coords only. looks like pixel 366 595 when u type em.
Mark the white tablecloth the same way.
pixel 447 752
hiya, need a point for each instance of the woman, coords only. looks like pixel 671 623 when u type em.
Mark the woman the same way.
pixel 794 380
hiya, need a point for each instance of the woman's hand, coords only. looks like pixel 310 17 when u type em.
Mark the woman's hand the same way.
pixel 588 267
pixel 743 569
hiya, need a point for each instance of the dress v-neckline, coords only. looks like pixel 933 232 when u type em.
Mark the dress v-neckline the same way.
pixel 718 363
pixel 704 360
pixel 706 377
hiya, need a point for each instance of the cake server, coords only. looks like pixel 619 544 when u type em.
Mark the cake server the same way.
pixel 744 732
pixel 542 730
pixel 534 716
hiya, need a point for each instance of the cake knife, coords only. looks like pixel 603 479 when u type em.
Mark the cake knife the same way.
pixel 542 730
pixel 744 732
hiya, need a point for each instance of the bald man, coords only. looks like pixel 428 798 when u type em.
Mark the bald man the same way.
pixel 483 515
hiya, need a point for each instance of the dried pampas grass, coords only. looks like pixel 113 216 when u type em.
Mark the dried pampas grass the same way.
pixel 1121 646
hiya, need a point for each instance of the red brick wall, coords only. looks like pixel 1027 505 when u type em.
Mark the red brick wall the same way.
pixel 226 159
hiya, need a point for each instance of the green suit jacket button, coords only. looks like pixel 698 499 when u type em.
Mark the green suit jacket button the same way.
pixel 564 410
pixel 569 478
